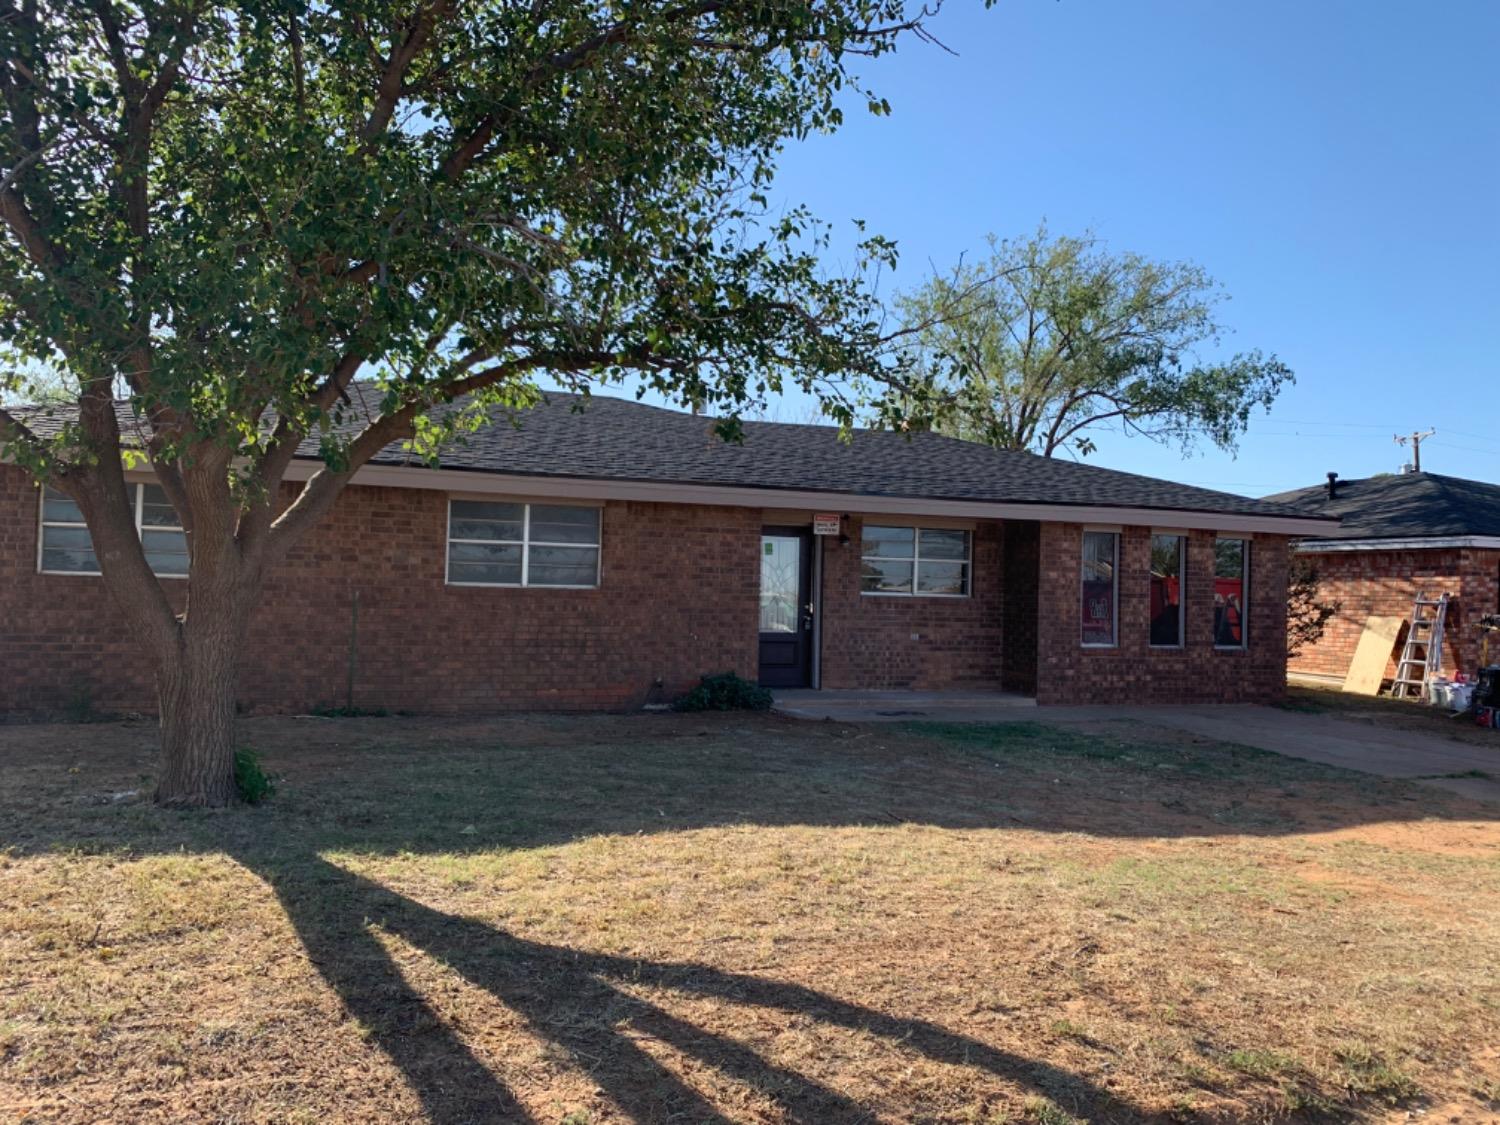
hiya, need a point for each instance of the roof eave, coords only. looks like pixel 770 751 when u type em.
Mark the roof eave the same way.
pixel 1399 543
pixel 573 487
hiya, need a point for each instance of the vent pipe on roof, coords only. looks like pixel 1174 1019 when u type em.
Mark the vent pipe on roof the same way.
pixel 1333 486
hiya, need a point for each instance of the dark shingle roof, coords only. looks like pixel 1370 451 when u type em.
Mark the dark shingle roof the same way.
pixel 1405 506
pixel 615 439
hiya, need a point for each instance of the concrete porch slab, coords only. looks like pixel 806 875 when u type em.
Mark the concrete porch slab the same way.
pixel 902 706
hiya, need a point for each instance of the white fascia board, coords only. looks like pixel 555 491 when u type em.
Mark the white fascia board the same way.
pixel 1327 546
pixel 522 487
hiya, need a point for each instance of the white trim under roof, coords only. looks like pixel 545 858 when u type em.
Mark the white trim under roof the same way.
pixel 1431 543
pixel 549 487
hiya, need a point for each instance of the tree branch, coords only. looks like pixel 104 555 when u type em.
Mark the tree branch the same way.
pixel 119 57
pixel 286 436
pixel 17 216
pixel 1055 439
pixel 393 77
pixel 324 487
pixel 29 159
pixel 102 494
pixel 560 62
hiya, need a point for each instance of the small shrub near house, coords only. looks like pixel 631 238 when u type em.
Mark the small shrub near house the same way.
pixel 250 779
pixel 725 692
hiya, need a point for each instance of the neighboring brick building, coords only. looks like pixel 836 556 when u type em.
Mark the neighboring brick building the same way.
pixel 608 557
pixel 1400 535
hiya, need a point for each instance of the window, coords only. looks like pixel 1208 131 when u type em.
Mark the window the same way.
pixel 926 562
pixel 501 543
pixel 1101 554
pixel 1166 590
pixel 67 548
pixel 1231 587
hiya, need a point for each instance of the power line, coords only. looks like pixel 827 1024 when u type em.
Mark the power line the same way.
pixel 1465 448
pixel 1443 439
pixel 1476 437
pixel 1325 424
pixel 1416 438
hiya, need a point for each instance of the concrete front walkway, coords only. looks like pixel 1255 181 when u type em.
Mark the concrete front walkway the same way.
pixel 1387 751
pixel 1429 759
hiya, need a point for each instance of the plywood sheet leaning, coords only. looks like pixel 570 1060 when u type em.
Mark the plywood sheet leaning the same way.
pixel 1371 658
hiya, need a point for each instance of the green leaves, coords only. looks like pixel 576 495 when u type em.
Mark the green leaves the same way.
pixel 1050 338
pixel 236 209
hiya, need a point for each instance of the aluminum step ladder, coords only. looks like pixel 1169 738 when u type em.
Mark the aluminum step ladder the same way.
pixel 1422 655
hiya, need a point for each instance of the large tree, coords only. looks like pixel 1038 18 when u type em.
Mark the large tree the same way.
pixel 1046 339
pixel 222 214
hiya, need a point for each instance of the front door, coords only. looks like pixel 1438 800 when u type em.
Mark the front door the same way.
pixel 786 608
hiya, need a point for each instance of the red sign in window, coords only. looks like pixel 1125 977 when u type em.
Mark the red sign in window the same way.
pixel 1101 550
pixel 1099 612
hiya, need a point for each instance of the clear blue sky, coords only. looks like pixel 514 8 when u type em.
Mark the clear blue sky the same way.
pixel 1335 165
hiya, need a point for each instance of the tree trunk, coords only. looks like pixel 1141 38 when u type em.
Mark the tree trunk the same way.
pixel 196 685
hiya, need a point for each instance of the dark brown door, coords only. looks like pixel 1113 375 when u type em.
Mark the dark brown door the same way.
pixel 786 607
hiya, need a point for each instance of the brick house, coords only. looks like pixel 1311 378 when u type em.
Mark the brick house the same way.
pixel 1400 535
pixel 607 556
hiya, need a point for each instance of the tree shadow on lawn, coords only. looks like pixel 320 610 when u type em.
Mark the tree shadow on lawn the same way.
pixel 1118 780
pixel 574 1000
pixel 391 786
pixel 387 786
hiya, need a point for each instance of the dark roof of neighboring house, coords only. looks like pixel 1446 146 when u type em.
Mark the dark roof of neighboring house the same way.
pixel 615 439
pixel 1404 506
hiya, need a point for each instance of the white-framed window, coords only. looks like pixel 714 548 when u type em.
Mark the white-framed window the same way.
pixel 923 562
pixel 65 546
pixel 1168 564
pixel 1099 589
pixel 1231 593
pixel 509 543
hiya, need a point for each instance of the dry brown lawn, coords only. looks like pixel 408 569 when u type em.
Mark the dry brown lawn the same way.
pixel 740 919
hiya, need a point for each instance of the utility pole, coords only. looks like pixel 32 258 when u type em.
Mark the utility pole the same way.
pixel 1416 440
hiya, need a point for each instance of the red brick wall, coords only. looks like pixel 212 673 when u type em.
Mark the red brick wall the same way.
pixel 889 643
pixel 1384 584
pixel 1132 671
pixel 1480 595
pixel 62 645
pixel 678 598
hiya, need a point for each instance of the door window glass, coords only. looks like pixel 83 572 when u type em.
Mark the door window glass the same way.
pixel 780 568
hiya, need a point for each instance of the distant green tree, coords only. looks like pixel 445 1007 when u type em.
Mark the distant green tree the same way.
pixel 28 384
pixel 1048 338
pixel 229 211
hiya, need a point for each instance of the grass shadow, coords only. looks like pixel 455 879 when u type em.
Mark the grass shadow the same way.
pixel 393 786
pixel 397 785
pixel 575 1001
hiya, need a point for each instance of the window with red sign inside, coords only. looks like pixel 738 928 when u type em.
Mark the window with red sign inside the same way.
pixel 1100 588
pixel 1166 590
pixel 1231 589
